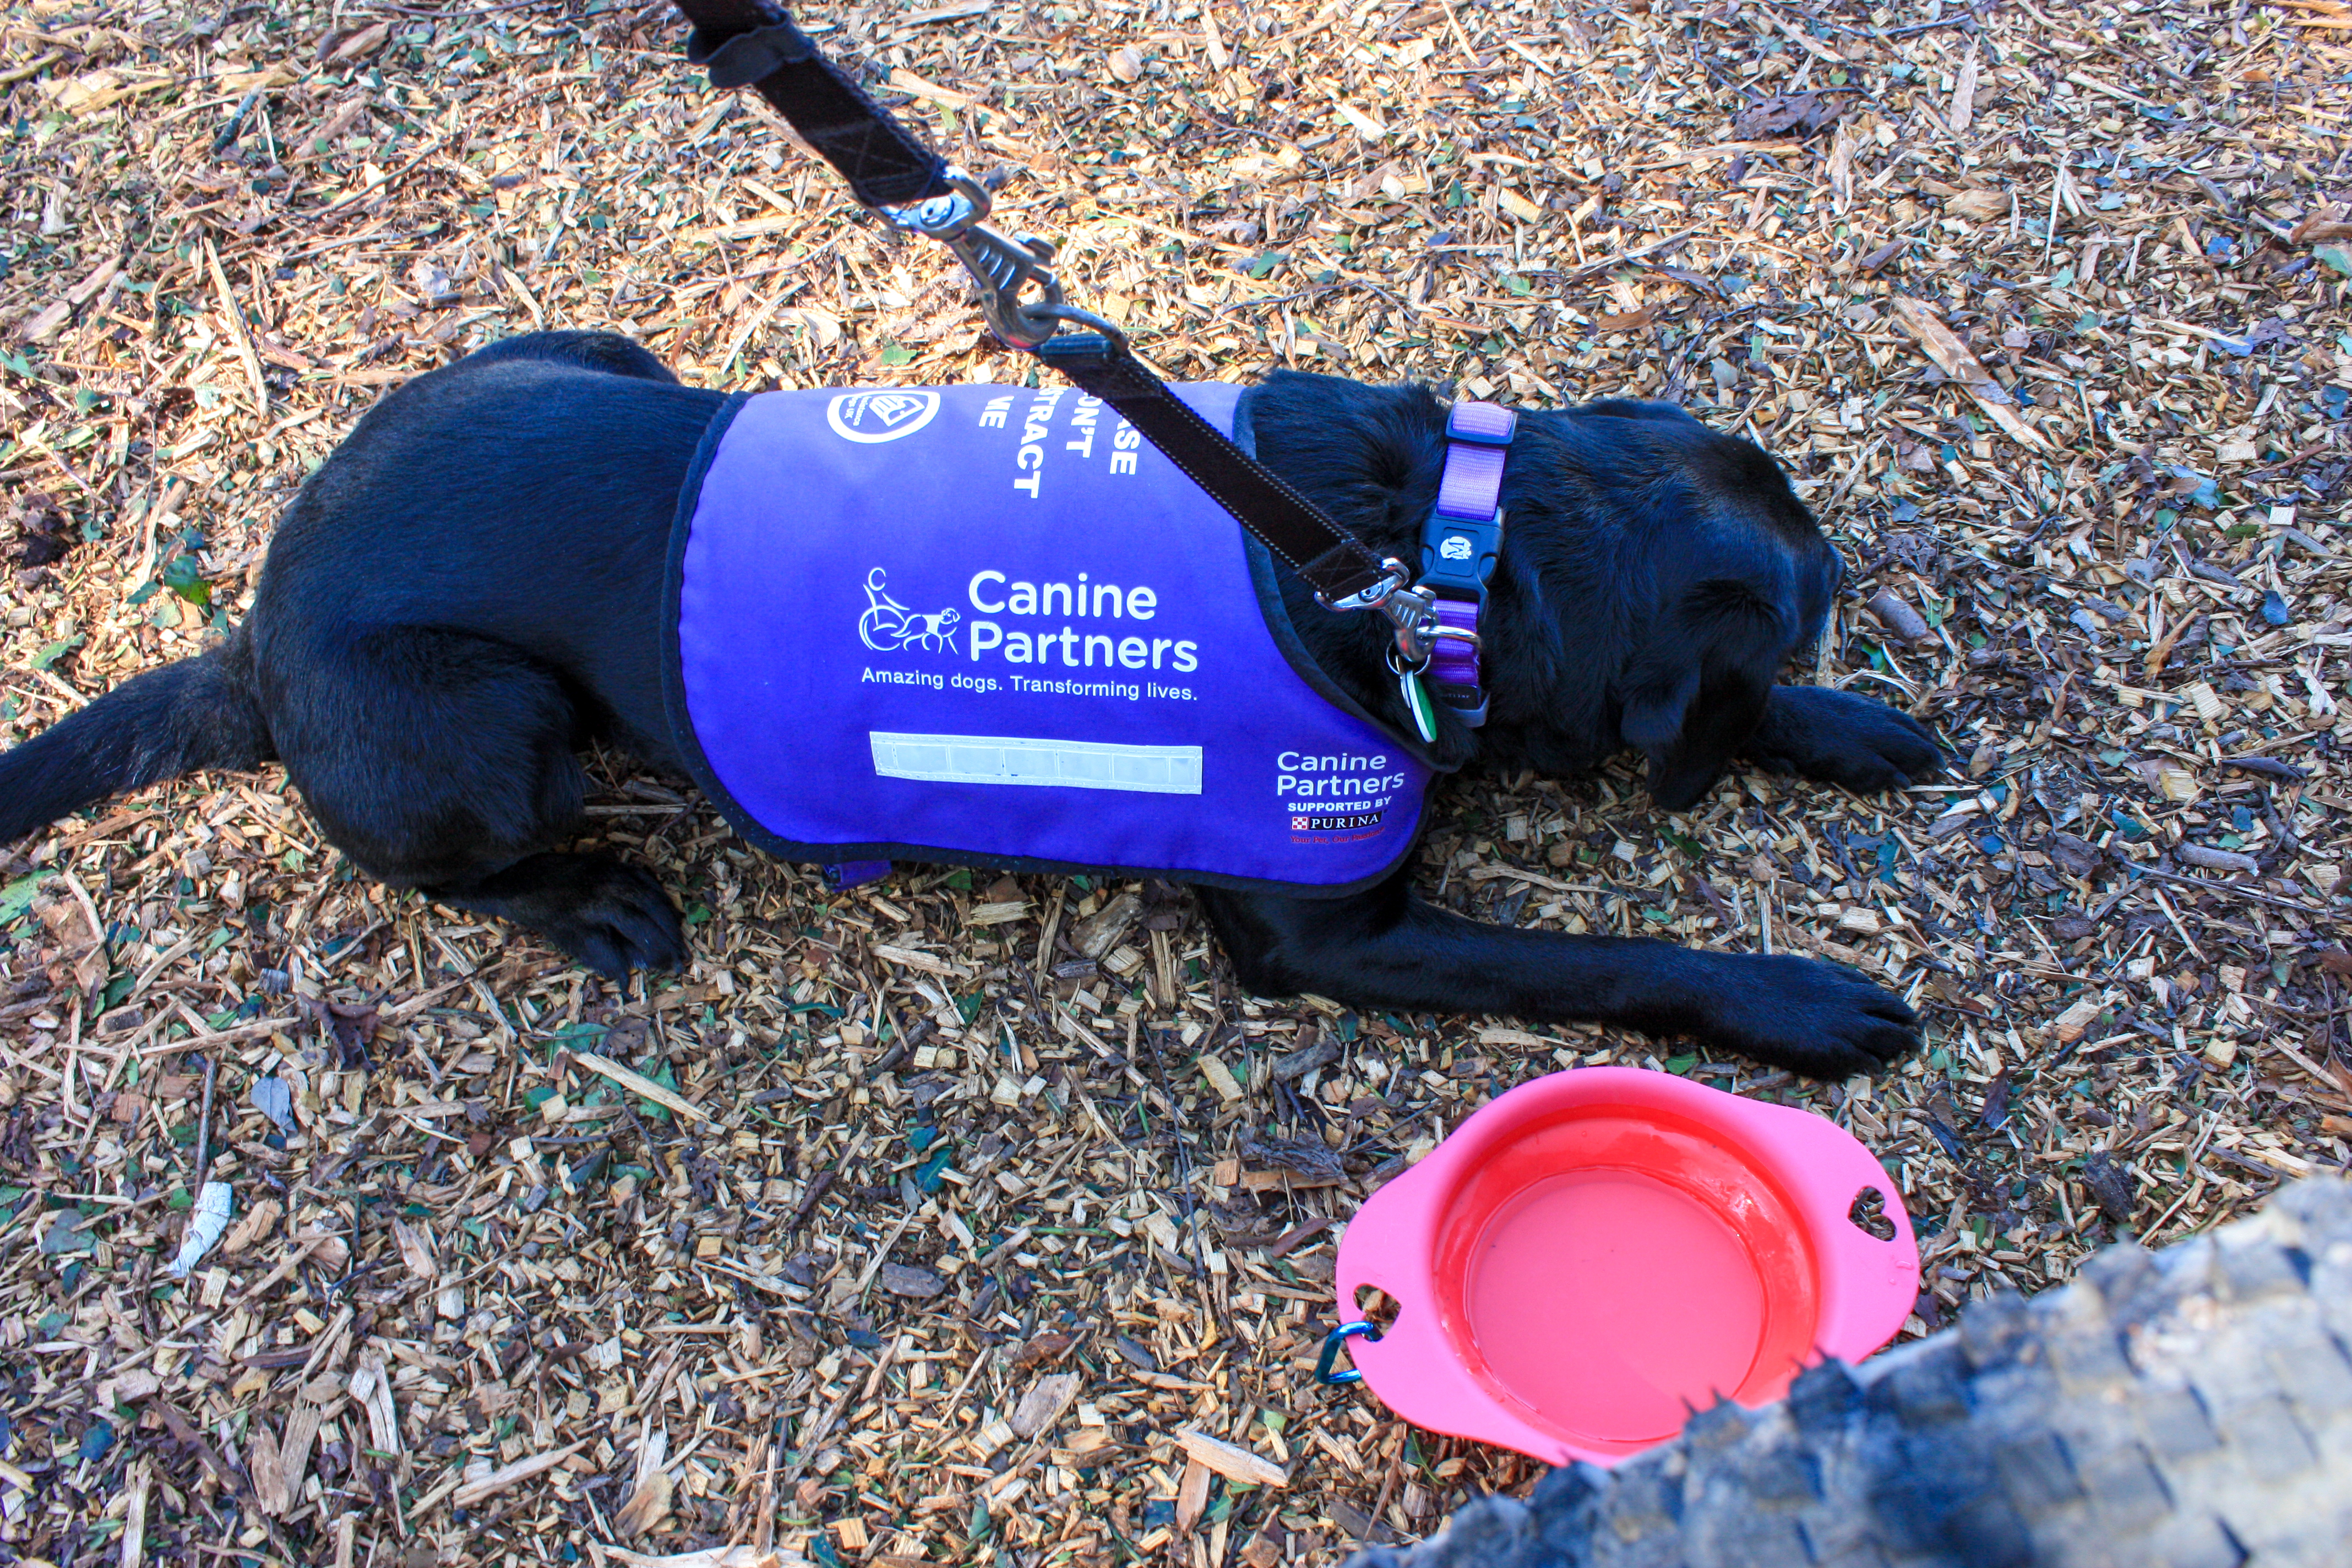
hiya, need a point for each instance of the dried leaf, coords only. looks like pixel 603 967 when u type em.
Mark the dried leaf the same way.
pixel 910 1280
pixel 1964 93
pixel 360 42
pixel 1303 1161
pixel 1980 205
pixel 1804 113
pixel 1953 357
pixel 2111 1185
pixel 271 1097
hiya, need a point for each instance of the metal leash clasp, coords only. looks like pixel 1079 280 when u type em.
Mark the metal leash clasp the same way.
pixel 1412 612
pixel 1004 265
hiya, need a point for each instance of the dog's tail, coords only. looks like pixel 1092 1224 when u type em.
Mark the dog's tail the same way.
pixel 200 713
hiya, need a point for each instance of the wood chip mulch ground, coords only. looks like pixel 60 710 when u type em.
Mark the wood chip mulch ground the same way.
pixel 981 1221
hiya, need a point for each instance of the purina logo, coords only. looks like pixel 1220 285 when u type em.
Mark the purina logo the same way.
pixel 888 626
pixel 870 417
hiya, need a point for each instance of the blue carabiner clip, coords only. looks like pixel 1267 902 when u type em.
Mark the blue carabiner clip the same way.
pixel 1369 1332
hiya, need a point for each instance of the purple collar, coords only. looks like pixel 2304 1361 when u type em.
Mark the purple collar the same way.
pixel 1459 545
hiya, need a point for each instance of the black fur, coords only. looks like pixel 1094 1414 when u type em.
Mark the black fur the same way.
pixel 157 725
pixel 470 589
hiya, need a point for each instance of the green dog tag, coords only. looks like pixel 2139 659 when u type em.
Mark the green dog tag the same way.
pixel 1417 703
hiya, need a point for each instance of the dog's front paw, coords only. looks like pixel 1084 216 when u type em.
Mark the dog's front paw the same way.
pixel 618 920
pixel 1841 738
pixel 604 913
pixel 1821 1019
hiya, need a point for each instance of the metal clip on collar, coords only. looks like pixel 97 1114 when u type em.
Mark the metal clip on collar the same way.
pixel 1004 265
pixel 1412 611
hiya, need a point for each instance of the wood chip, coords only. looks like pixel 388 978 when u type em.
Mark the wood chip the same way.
pixel 1953 357
pixel 639 1084
pixel 1231 1460
pixel 708 1557
pixel 1220 1079
pixel 505 1475
pixel 1043 1403
pixel 1192 1495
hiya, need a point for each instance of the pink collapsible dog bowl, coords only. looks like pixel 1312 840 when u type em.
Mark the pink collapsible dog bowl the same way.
pixel 1598 1254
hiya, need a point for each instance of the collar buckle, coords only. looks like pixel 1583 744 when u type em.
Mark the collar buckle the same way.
pixel 1460 542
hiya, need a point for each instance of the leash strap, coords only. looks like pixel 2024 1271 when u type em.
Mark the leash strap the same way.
pixel 1460 543
pixel 750 43
pixel 1333 562
pixel 754 43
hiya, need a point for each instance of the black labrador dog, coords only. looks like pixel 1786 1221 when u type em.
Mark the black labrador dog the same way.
pixel 471 588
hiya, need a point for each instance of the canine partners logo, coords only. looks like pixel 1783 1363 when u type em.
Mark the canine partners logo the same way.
pixel 870 417
pixel 888 625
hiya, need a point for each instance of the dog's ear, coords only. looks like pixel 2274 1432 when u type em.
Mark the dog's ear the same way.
pixel 1654 709
pixel 1370 455
pixel 1697 690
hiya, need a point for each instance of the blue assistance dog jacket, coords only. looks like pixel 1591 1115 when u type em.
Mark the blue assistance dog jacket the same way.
pixel 992 626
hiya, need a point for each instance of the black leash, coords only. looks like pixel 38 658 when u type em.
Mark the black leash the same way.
pixel 747 43
pixel 753 43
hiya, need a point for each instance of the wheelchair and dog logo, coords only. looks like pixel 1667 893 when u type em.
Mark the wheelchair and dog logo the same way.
pixel 889 626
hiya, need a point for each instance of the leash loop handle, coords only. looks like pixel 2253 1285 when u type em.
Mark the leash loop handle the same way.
pixel 746 57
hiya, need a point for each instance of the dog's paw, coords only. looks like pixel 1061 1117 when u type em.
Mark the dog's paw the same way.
pixel 602 912
pixel 621 919
pixel 1843 738
pixel 1824 1020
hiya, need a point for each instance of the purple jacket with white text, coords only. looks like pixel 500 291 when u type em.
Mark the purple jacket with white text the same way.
pixel 992 626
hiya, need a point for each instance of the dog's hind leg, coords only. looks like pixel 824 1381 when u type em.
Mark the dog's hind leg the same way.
pixel 1386 948
pixel 445 762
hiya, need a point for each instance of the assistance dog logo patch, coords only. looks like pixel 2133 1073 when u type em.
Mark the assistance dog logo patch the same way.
pixel 871 417
pixel 889 626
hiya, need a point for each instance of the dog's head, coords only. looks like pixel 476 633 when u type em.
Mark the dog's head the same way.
pixel 1691 544
pixel 1655 575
